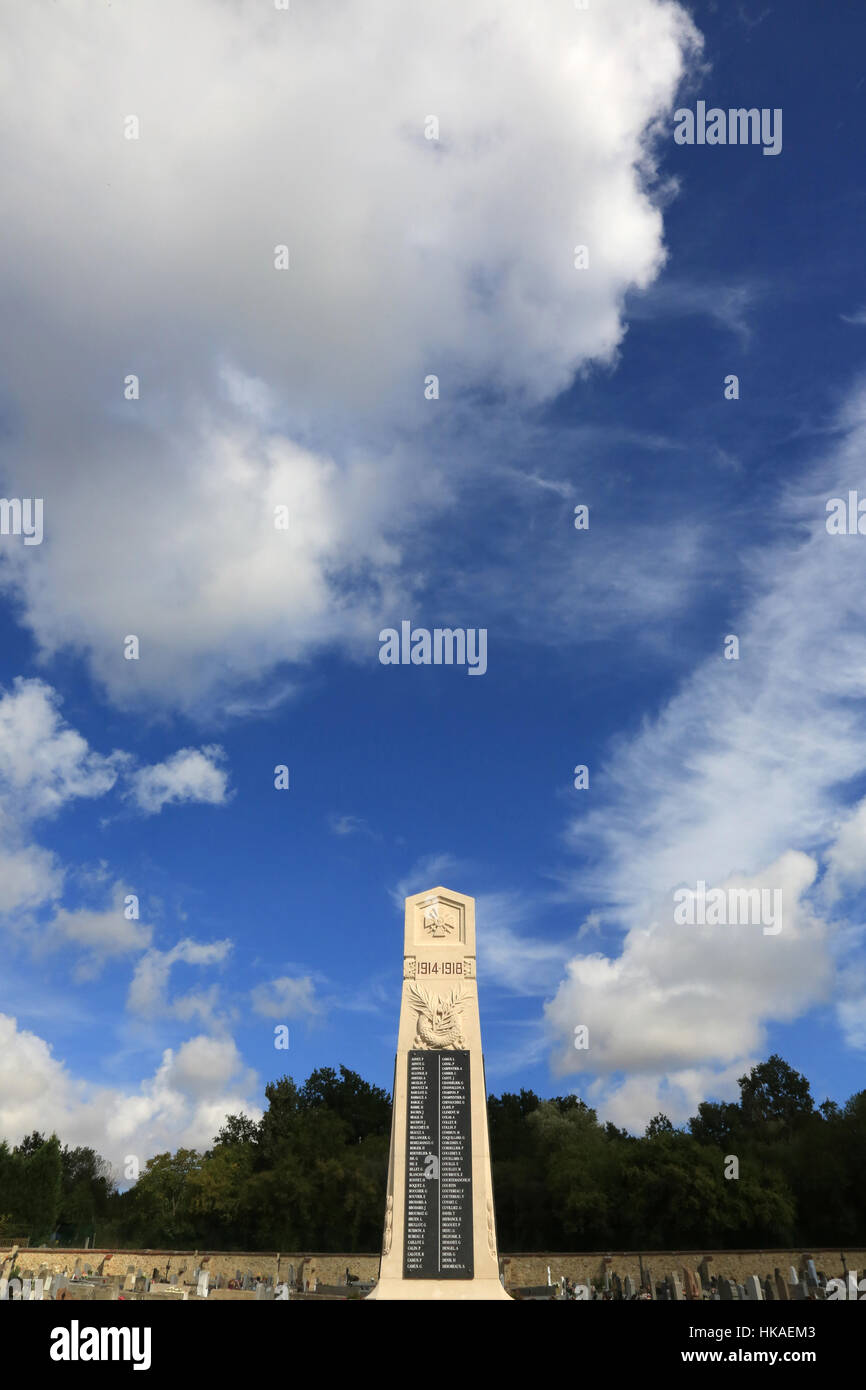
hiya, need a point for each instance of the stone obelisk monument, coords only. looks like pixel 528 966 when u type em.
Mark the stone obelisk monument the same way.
pixel 440 1227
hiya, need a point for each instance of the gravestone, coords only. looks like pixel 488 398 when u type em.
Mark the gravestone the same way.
pixel 741 1292
pixel 754 1293
pixel 769 1291
pixel 793 1277
pixel 812 1273
pixel 628 1286
pixel 727 1290
pixel 781 1287
pixel 692 1287
pixel 675 1288
pixel 129 1281
pixel 440 1226
pixel 202 1283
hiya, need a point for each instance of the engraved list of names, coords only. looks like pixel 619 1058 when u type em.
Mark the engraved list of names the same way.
pixel 438 1241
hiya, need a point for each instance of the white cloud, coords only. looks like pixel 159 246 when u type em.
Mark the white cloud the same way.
pixel 43 762
pixel 631 1103
pixel 408 257
pixel 148 990
pixel 508 954
pixel 286 997
pixel 29 877
pixel 739 780
pixel 44 765
pixel 100 935
pixel 183 1104
pixel 205 1066
pixel 190 774
pixel 692 996
pixel 348 825
pixel 846 857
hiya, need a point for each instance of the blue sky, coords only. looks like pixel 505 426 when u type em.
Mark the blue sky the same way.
pixel 259 647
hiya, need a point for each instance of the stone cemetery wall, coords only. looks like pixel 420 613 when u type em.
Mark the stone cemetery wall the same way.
pixel 530 1270
pixel 521 1270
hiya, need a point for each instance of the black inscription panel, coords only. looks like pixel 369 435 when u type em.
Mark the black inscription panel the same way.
pixel 438 1242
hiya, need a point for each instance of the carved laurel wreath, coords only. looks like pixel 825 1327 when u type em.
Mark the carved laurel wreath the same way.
pixel 438 1018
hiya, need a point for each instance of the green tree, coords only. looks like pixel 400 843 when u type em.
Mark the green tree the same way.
pixel 39 1187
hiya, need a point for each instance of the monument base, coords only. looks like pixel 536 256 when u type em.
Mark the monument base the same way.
pixel 439 1290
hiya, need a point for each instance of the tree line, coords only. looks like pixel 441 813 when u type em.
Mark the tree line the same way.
pixel 311 1175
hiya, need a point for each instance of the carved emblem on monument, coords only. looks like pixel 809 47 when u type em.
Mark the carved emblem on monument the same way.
pixel 439 920
pixel 438 1024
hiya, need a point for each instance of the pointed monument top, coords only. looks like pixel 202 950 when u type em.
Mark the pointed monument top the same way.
pixel 440 916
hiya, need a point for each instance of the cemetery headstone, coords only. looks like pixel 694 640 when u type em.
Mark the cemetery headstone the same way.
pixel 202 1283
pixel 628 1286
pixel 754 1292
pixel 781 1287
pixel 439 1237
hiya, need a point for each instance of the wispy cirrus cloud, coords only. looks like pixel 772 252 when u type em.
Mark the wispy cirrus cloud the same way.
pixel 742 778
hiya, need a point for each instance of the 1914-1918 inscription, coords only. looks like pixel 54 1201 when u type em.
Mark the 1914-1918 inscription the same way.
pixel 438 1168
